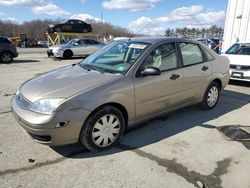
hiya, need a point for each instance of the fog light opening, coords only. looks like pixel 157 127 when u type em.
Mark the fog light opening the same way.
pixel 62 124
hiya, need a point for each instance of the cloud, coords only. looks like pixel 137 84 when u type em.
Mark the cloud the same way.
pixel 132 5
pixel 50 9
pixel 9 19
pixel 146 26
pixel 85 17
pixel 20 2
pixel 37 6
pixel 83 2
pixel 193 16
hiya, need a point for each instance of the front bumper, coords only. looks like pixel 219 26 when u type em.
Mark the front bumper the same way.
pixel 45 129
pixel 58 54
pixel 236 74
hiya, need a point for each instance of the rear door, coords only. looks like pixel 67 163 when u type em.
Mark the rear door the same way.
pixel 154 94
pixel 91 46
pixel 196 71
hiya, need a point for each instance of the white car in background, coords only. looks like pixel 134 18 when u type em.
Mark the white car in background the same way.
pixel 239 56
pixel 75 47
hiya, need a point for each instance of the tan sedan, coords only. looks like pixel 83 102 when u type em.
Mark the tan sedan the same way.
pixel 123 83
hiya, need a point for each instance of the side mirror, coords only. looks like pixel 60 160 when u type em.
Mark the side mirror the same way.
pixel 150 71
pixel 76 44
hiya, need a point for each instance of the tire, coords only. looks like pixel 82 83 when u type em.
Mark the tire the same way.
pixel 67 54
pixel 85 30
pixel 96 135
pixel 211 96
pixel 6 57
pixel 58 29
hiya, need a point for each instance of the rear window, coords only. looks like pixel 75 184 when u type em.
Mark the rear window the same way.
pixel 191 54
pixel 4 40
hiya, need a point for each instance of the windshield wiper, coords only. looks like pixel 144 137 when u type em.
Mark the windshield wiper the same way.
pixel 89 67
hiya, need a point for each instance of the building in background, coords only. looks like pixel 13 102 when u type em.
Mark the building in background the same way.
pixel 237 24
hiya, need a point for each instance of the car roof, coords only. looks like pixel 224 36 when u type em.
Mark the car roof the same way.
pixel 154 40
pixel 243 42
pixel 75 20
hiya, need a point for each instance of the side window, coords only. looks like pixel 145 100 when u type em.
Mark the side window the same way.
pixel 191 54
pixel 88 41
pixel 209 56
pixel 81 42
pixel 163 57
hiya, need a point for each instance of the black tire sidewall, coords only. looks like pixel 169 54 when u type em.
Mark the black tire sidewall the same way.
pixel 58 29
pixel 205 102
pixel 86 132
pixel 85 30
pixel 67 54
pixel 5 61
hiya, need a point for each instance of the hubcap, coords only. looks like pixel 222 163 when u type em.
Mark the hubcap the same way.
pixel 106 130
pixel 212 96
pixel 6 57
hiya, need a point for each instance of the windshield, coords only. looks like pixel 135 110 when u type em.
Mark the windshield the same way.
pixel 115 58
pixel 240 49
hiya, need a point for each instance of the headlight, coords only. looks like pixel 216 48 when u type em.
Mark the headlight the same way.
pixel 45 106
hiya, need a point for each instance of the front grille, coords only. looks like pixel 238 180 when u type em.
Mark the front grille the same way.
pixel 240 67
pixel 22 102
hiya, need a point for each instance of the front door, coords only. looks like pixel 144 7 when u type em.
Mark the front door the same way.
pixel 154 94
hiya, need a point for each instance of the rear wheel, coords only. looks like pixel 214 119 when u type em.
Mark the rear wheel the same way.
pixel 103 129
pixel 67 54
pixel 6 57
pixel 211 96
pixel 85 30
pixel 58 29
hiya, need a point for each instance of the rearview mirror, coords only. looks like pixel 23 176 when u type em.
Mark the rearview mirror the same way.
pixel 150 71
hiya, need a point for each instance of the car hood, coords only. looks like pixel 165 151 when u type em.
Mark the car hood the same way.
pixel 63 83
pixel 62 46
pixel 238 59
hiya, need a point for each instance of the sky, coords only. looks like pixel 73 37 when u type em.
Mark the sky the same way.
pixel 148 17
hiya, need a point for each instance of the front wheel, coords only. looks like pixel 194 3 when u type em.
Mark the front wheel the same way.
pixel 6 57
pixel 211 96
pixel 103 129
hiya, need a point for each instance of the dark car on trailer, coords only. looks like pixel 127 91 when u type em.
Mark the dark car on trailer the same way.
pixel 77 26
pixel 7 50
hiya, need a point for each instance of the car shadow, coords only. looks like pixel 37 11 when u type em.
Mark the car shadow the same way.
pixel 164 126
pixel 239 83
pixel 24 61
pixel 67 59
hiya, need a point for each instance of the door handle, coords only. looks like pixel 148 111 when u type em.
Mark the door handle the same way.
pixel 204 68
pixel 174 76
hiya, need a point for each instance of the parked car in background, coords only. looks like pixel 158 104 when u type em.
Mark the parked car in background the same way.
pixel 77 26
pixel 75 47
pixel 43 44
pixel 124 83
pixel 7 50
pixel 239 56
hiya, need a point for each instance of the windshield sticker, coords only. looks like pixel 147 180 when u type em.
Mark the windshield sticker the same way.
pixel 138 46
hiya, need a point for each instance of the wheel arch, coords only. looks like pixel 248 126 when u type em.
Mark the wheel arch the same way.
pixel 68 50
pixel 7 51
pixel 218 81
pixel 116 105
